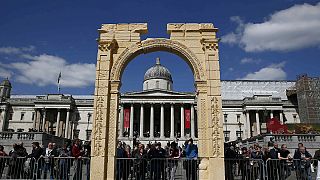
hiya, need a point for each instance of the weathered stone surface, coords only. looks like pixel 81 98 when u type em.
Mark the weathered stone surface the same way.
pixel 197 45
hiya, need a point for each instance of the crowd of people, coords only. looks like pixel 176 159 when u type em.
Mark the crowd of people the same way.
pixel 249 163
pixel 154 161
pixel 45 162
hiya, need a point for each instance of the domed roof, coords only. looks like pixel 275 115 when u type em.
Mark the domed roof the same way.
pixel 158 72
pixel 6 82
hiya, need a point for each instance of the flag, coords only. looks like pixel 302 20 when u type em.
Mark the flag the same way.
pixel 126 123
pixel 59 77
pixel 187 118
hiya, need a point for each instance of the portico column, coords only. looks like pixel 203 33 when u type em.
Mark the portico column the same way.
pixel 172 122
pixel 66 129
pixel 121 121
pixel 3 115
pixel 131 122
pixel 248 124
pixel 151 122
pixel 43 120
pixel 58 123
pixel 162 121
pixel 258 122
pixel 192 122
pixel 141 120
pixel 271 114
pixel 182 120
pixel 281 117
pixel 34 119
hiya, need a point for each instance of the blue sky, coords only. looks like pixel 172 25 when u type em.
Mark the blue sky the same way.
pixel 275 40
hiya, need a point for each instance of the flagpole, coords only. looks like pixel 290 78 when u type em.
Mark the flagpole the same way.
pixel 59 77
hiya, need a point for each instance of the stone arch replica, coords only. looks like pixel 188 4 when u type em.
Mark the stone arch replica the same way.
pixel 118 44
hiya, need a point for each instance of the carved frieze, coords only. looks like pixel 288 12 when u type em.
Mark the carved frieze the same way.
pixel 215 118
pixel 153 44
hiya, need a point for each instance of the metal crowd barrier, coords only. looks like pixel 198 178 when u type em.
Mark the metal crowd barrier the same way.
pixel 271 169
pixel 244 169
pixel 45 168
pixel 291 169
pixel 158 169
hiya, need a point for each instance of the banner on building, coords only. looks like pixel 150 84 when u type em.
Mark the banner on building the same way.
pixel 187 118
pixel 126 118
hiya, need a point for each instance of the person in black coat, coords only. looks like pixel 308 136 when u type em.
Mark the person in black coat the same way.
pixel 302 161
pixel 35 155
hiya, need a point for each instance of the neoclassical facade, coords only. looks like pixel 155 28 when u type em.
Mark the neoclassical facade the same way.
pixel 241 102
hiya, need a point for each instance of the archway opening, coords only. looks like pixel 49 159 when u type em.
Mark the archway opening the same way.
pixel 153 107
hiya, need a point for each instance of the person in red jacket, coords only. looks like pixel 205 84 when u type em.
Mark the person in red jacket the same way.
pixel 77 153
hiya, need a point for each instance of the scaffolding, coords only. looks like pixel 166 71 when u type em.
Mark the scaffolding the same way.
pixel 308 95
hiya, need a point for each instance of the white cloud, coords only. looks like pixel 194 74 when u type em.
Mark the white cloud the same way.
pixel 15 50
pixel 250 61
pixel 294 28
pixel 43 70
pixel 5 73
pixel 271 72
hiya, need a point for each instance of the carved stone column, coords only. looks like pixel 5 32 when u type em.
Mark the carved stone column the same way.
pixel 172 121
pixel 258 123
pixel 162 121
pixel 58 123
pixel 141 120
pixel 44 120
pixel 151 121
pixel 121 121
pixel 131 121
pixel 66 129
pixel 182 121
pixel 192 122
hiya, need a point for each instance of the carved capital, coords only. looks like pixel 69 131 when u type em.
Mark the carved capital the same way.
pixel 209 44
pixel 107 45
pixel 115 85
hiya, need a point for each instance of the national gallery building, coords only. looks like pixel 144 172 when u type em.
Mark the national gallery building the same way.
pixel 157 113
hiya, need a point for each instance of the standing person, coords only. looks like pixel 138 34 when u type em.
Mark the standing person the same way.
pixel 285 157
pixel 35 155
pixel 273 162
pixel 140 163
pixel 244 163
pixel 49 153
pixel 174 155
pixel 3 155
pixel 128 163
pixel 257 168
pixel 120 154
pixel 302 161
pixel 64 163
pixel 77 153
pixel 191 155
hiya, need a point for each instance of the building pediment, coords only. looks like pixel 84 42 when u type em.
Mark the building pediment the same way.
pixel 157 93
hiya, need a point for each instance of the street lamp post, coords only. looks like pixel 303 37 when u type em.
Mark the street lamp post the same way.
pixel 226 138
pixel 240 131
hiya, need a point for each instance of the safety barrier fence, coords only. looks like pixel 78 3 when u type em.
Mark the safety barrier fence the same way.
pixel 162 169
pixel 45 168
pixel 157 168
pixel 271 169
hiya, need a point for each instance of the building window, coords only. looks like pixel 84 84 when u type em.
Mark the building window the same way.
pixel 157 84
pixel 22 116
pixel 225 118
pixel 147 85
pixel 33 115
pixel 238 118
pixel 294 118
pixel 88 135
pixel 226 136
pixel 168 85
